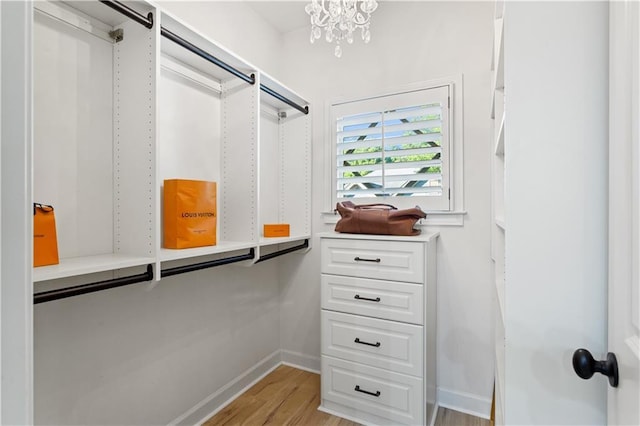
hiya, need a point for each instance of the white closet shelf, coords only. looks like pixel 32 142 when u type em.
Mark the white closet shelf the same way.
pixel 499 150
pixel 75 266
pixel 497 62
pixel 493 57
pixel 500 297
pixel 167 255
pixel 283 90
pixel 497 92
pixel 498 82
pixel 280 240
pixel 194 37
pixel 98 11
pixel 493 103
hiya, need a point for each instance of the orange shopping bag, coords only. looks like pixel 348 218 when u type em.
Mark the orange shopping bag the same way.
pixel 189 213
pixel 45 240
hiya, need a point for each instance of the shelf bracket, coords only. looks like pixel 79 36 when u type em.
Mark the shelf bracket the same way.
pixel 117 35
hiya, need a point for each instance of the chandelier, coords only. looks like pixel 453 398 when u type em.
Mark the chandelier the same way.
pixel 339 19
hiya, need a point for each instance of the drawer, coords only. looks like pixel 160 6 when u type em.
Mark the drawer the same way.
pixel 379 343
pixel 379 392
pixel 385 260
pixel 381 299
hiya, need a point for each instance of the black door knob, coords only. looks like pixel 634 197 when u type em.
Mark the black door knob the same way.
pixel 584 366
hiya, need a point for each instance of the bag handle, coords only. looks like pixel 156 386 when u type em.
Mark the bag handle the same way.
pixel 44 207
pixel 372 206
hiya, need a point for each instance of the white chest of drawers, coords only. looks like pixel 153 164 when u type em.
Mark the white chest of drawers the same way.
pixel 378 324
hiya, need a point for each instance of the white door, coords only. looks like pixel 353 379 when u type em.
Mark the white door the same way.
pixel 556 288
pixel 624 213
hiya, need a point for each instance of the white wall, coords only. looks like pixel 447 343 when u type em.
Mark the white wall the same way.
pixel 137 356
pixel 411 42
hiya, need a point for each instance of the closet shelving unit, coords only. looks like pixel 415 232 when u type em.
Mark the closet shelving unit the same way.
pixel 499 222
pixel 135 97
pixel 285 163
pixel 93 148
pixel 208 131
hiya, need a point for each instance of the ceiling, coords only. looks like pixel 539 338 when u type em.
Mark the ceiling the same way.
pixel 284 16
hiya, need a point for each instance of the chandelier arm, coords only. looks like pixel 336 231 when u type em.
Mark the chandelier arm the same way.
pixel 324 9
pixel 322 23
pixel 363 22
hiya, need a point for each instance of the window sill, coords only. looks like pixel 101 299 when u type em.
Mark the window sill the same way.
pixel 434 218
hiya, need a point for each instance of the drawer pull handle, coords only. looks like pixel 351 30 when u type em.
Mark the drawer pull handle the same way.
pixel 357 296
pixel 376 344
pixel 376 394
pixel 360 259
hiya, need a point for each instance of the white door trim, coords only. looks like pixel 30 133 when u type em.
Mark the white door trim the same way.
pixel 16 289
pixel 624 233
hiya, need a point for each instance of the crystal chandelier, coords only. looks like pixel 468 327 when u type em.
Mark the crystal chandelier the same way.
pixel 339 19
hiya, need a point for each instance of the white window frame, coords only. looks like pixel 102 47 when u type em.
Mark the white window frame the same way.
pixel 454 215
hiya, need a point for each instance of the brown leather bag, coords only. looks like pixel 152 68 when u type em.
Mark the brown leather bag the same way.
pixel 380 219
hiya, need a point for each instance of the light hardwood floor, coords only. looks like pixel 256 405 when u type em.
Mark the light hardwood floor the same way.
pixel 288 396
pixel 448 417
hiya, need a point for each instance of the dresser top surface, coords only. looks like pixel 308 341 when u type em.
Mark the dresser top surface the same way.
pixel 423 237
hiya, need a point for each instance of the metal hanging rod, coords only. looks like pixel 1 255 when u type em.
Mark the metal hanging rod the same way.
pixel 63 293
pixel 304 245
pixel 251 79
pixel 209 264
pixel 287 101
pixel 147 21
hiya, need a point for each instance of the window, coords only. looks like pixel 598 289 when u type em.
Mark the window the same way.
pixel 394 149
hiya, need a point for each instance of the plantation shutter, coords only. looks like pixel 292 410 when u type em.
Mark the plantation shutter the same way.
pixel 360 155
pixel 398 150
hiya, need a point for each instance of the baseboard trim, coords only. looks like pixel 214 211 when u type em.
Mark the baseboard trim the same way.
pixel 211 405
pixel 215 402
pixel 434 416
pixel 341 415
pixel 301 361
pixel 465 403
